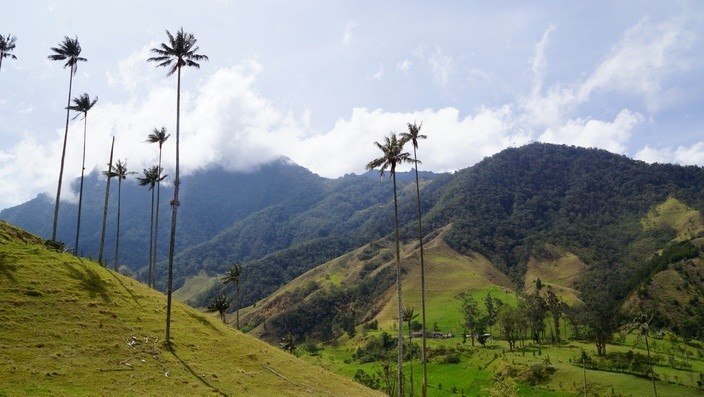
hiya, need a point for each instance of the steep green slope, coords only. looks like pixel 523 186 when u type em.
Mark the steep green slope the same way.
pixel 556 268
pixel 355 211
pixel 362 282
pixel 71 327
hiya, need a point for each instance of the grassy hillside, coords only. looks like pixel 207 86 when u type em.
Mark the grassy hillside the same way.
pixel 674 214
pixel 448 273
pixel 556 268
pixel 70 327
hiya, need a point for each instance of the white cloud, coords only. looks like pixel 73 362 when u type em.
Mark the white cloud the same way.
pixel 453 141
pixel 539 63
pixel 637 64
pixel 347 33
pixel 379 74
pixel 441 66
pixel 403 66
pixel 132 71
pixel 611 136
pixel 640 60
pixel 684 155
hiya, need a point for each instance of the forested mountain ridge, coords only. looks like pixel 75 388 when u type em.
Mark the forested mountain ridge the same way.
pixel 212 199
pixel 590 202
pixel 230 216
pixel 537 207
pixel 282 220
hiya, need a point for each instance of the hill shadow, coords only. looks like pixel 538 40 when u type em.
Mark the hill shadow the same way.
pixel 189 369
pixel 204 321
pixel 89 280
pixel 7 269
pixel 129 291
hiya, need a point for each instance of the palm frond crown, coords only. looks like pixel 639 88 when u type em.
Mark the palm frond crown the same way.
pixel 180 51
pixel 413 134
pixel 393 155
pixel 151 176
pixel 82 104
pixel 158 136
pixel 119 170
pixel 68 50
pixel 7 45
pixel 233 274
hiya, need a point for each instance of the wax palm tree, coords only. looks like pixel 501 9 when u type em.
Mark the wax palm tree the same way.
pixel 108 175
pixel 151 176
pixel 408 317
pixel 413 135
pixel 68 50
pixel 233 277
pixel 7 45
pixel 288 343
pixel 394 155
pixel 157 136
pixel 179 52
pixel 82 105
pixel 220 304
pixel 119 171
pixel 641 327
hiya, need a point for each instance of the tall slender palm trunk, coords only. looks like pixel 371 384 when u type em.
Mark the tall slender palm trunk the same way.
pixel 650 361
pixel 80 190
pixel 174 213
pixel 399 371
pixel 105 206
pixel 156 222
pixel 237 294
pixel 150 276
pixel 410 361
pixel 424 389
pixel 117 235
pixel 63 158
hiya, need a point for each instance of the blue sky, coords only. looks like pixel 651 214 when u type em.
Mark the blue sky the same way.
pixel 319 81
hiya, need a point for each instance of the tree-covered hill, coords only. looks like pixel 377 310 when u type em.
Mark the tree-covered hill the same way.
pixel 590 202
pixel 581 218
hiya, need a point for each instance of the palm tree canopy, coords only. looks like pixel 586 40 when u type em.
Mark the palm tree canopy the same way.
pixel 233 274
pixel 158 136
pixel 393 155
pixel 180 51
pixel 82 104
pixel 219 304
pixel 151 176
pixel 68 50
pixel 7 44
pixel 413 134
pixel 408 314
pixel 119 170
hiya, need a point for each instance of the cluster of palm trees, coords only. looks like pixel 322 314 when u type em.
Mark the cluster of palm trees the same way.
pixel 178 52
pixel 393 156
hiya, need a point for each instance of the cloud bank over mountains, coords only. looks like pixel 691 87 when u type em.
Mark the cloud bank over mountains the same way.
pixel 227 121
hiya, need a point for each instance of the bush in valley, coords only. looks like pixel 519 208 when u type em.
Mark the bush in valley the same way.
pixel 531 374
pixel 377 348
pixel 372 381
pixel 371 325
pixel 446 355
pixel 628 362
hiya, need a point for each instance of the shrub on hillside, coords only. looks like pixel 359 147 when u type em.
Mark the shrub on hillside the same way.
pixel 531 374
